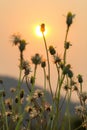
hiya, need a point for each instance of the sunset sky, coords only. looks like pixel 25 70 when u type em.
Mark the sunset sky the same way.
pixel 22 16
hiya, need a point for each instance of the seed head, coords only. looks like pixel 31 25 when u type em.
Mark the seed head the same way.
pixel 16 39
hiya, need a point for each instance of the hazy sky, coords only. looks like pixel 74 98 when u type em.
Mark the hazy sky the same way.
pixel 24 15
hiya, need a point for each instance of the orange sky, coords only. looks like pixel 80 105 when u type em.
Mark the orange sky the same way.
pixel 23 15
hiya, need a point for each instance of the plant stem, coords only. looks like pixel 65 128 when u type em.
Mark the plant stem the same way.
pixel 19 82
pixel 48 64
pixel 64 56
pixel 44 80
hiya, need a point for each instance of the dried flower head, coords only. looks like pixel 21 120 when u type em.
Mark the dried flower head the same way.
pixel 48 107
pixel 28 109
pixel 26 67
pixel 36 59
pixel 16 117
pixel 9 102
pixel 38 93
pixel 12 90
pixel 16 39
pixel 75 88
pixel 81 111
pixel 34 113
pixel 66 87
pixel 8 113
pixel 83 96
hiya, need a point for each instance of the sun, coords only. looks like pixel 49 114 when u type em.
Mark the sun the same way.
pixel 38 32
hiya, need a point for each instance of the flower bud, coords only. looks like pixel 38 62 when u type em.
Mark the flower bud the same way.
pixel 67 45
pixel 43 64
pixel 22 45
pixel 16 39
pixel 69 19
pixel 66 69
pixel 52 50
pixel 57 59
pixel 70 73
pixel 42 27
pixel 80 79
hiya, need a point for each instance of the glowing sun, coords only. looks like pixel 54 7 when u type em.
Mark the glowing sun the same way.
pixel 38 31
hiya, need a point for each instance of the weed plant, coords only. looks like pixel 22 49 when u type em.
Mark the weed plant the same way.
pixel 32 111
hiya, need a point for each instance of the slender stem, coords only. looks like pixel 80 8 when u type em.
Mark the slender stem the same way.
pixel 19 82
pixel 44 80
pixel 48 65
pixel 33 84
pixel 80 87
pixel 64 56
pixel 58 79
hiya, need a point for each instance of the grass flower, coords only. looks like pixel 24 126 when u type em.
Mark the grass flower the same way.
pixel 36 59
pixel 69 19
pixel 12 89
pixel 43 63
pixel 38 93
pixel 42 28
pixel 16 39
pixel 80 79
pixel 52 50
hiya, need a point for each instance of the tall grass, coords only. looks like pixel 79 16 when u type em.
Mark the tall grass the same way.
pixel 33 111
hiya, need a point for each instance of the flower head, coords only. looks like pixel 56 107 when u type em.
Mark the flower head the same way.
pixel 26 67
pixel 16 39
pixel 36 59
pixel 22 45
pixel 69 19
pixel 57 59
pixel 42 27
pixel 52 50
pixel 80 79
pixel 67 45
pixel 43 63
